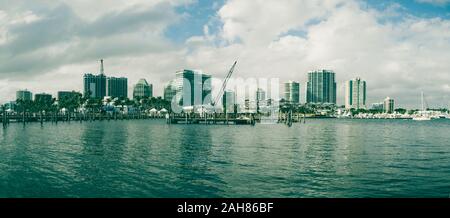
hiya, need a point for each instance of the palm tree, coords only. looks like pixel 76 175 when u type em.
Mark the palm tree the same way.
pixel 40 105
pixel 24 106
pixel 71 103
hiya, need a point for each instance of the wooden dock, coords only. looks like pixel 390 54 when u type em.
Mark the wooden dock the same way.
pixel 211 121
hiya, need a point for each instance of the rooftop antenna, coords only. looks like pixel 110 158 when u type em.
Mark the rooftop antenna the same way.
pixel 102 70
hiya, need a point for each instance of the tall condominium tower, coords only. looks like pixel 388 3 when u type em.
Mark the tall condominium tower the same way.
pixel 292 92
pixel 388 105
pixel 228 101
pixel 321 87
pixel 117 87
pixel 193 88
pixel 355 94
pixel 95 85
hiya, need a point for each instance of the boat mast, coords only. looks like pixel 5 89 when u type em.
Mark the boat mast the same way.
pixel 423 109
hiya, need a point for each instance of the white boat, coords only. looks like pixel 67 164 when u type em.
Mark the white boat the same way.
pixel 422 118
pixel 422 115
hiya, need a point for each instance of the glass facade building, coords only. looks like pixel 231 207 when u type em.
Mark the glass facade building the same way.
pixel 24 95
pixel 355 94
pixel 170 91
pixel 117 87
pixel 292 92
pixel 321 87
pixel 193 88
pixel 94 86
pixel 228 101
pixel 43 97
pixel 142 89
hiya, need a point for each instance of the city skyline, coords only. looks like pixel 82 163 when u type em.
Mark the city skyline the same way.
pixel 396 47
pixel 317 91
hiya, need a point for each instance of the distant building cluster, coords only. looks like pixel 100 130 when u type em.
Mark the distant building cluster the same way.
pixel 321 89
pixel 191 88
pixel 94 86
pixel 100 86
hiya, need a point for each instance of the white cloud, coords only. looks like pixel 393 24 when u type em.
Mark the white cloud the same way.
pixel 397 58
pixel 258 22
pixel 51 47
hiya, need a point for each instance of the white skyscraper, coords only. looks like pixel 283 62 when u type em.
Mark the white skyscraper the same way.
pixel 389 105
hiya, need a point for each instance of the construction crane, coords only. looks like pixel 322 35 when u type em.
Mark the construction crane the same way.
pixel 224 85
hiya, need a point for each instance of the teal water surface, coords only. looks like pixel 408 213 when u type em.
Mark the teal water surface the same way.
pixel 148 158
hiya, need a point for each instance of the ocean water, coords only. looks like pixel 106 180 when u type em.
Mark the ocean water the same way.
pixel 148 158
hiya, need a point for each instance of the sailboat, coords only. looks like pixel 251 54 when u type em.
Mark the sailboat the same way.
pixel 423 115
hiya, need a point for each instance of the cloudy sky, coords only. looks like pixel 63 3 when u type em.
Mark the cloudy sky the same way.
pixel 400 47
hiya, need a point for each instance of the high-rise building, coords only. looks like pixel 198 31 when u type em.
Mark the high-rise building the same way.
pixel 142 89
pixel 388 105
pixel 355 94
pixel 43 98
pixel 95 85
pixel 68 95
pixel 193 88
pixel 170 91
pixel 117 87
pixel 24 95
pixel 292 92
pixel 99 86
pixel 228 101
pixel 321 87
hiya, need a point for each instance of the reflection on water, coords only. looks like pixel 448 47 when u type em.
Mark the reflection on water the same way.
pixel 322 158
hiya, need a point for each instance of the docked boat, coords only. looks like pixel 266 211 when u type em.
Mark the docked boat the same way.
pixel 422 118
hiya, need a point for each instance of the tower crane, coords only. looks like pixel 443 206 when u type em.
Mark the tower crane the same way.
pixel 224 85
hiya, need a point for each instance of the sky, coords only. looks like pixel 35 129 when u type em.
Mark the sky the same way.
pixel 400 47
